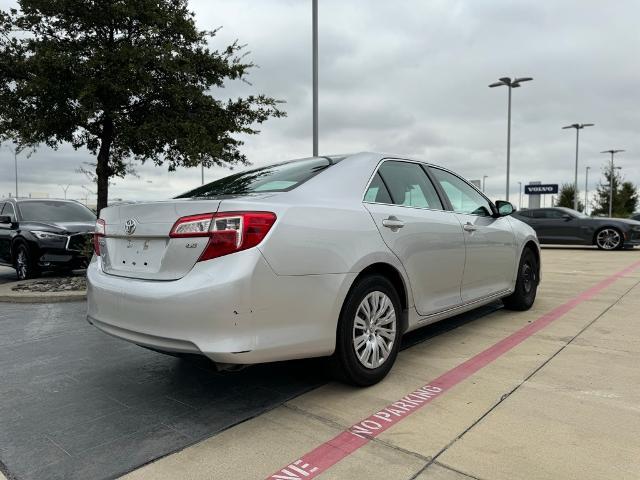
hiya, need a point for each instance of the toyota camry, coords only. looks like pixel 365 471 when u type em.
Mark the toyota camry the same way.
pixel 332 257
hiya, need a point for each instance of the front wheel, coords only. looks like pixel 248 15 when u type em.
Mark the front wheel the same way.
pixel 25 266
pixel 368 335
pixel 524 294
pixel 609 239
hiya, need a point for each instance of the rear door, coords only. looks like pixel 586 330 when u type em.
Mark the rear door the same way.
pixel 490 242
pixel 427 239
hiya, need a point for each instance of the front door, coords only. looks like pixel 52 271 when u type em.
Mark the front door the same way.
pixel 5 233
pixel 491 252
pixel 427 239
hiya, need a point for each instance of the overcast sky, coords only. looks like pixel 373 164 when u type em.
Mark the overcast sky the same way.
pixel 411 77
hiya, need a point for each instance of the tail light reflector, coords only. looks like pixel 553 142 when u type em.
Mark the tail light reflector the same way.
pixel 228 232
pixel 100 231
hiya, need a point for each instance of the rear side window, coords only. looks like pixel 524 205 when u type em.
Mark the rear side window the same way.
pixel 274 178
pixel 377 191
pixel 409 185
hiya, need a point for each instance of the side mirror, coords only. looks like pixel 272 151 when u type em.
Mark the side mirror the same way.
pixel 504 208
pixel 5 219
pixel 567 217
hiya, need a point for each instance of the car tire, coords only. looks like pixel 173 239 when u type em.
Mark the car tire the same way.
pixel 24 263
pixel 368 333
pixel 524 294
pixel 609 238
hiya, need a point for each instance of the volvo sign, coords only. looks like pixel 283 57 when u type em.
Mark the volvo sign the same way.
pixel 541 189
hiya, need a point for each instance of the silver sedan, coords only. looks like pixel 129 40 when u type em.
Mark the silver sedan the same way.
pixel 322 257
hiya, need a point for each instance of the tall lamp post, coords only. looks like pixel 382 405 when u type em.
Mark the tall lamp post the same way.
pixel 586 188
pixel 314 35
pixel 612 153
pixel 578 127
pixel 511 83
pixel 519 195
pixel 484 179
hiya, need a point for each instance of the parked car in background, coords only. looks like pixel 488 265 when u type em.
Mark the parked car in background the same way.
pixel 325 256
pixel 636 217
pixel 38 235
pixel 564 226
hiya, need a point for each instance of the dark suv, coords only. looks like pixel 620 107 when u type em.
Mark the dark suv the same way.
pixel 37 235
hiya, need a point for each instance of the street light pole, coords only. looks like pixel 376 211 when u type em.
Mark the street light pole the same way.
pixel 586 189
pixel 484 178
pixel 511 83
pixel 612 152
pixel 519 195
pixel 314 21
pixel 578 127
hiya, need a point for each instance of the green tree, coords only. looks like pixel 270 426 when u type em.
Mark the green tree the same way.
pixel 625 196
pixel 130 80
pixel 566 197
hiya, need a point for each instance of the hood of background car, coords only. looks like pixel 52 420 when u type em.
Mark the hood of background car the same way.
pixel 60 227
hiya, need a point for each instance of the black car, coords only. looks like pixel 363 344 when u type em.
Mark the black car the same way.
pixel 636 217
pixel 564 226
pixel 37 235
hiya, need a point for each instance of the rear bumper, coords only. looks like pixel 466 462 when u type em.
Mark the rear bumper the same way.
pixel 233 309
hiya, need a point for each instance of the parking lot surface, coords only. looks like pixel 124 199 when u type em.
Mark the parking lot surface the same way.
pixel 561 403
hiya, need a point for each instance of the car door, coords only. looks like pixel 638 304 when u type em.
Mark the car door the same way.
pixel 428 240
pixel 5 233
pixel 491 254
pixel 554 227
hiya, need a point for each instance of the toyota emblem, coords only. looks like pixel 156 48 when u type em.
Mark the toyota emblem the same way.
pixel 130 226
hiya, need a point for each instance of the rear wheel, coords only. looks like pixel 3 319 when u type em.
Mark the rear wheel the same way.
pixel 24 263
pixel 609 238
pixel 368 335
pixel 527 283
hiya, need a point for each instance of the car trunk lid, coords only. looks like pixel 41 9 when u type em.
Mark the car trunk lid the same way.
pixel 137 242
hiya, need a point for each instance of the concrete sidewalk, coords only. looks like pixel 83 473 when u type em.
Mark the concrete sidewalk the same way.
pixel 565 403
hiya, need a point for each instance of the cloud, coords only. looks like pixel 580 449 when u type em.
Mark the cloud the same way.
pixel 411 78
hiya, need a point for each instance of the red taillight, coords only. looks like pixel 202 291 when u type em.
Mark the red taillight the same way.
pixel 228 232
pixel 100 231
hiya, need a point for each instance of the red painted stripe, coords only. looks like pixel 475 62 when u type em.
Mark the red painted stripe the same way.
pixel 328 454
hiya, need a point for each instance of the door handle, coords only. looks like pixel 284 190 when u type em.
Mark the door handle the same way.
pixel 393 223
pixel 469 227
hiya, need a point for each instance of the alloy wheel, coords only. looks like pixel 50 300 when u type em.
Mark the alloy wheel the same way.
pixel 608 239
pixel 528 277
pixel 22 264
pixel 374 329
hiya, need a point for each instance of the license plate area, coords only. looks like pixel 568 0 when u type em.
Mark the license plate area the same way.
pixel 136 254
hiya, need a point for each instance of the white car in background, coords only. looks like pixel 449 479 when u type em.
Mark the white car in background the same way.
pixel 325 256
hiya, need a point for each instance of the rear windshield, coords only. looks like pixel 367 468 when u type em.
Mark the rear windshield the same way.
pixel 50 211
pixel 274 178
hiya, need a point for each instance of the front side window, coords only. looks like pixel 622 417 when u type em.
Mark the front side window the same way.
pixel 274 178
pixel 54 211
pixel 409 185
pixel 552 214
pixel 463 197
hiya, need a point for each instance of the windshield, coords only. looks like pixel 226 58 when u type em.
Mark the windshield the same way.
pixel 52 211
pixel 274 178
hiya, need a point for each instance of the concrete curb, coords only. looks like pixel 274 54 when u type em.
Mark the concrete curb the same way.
pixel 8 295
